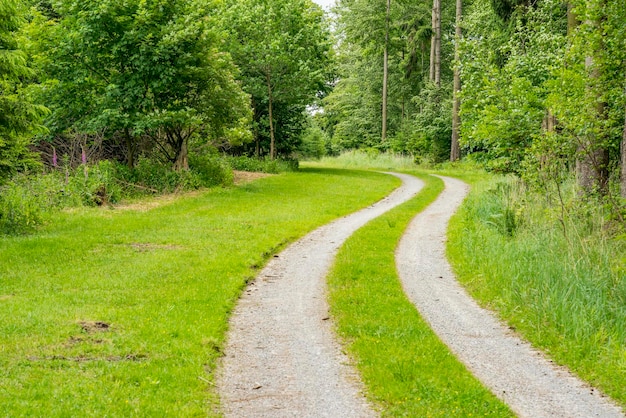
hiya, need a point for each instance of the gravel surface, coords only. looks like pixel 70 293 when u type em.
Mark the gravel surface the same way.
pixel 523 378
pixel 281 357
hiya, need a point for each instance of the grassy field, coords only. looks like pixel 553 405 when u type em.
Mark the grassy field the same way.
pixel 407 370
pixel 122 312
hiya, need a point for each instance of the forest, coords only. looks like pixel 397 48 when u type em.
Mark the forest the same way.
pixel 124 246
pixel 535 88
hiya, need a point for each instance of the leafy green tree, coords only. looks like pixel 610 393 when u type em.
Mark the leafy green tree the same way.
pixel 283 50
pixel 18 115
pixel 373 35
pixel 150 70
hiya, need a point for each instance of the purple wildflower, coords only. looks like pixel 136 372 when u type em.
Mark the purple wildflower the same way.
pixel 55 162
pixel 84 156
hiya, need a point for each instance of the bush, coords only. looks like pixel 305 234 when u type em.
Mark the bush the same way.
pixel 211 170
pixel 244 163
pixel 26 202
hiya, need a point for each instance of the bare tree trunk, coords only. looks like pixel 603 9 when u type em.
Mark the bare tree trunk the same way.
pixel 385 73
pixel 435 46
pixel 623 160
pixel 271 117
pixel 455 149
pixel 130 149
pixel 182 158
pixel 593 158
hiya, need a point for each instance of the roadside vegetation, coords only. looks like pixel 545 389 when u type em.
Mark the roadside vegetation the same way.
pixel 554 270
pixel 122 312
pixel 407 370
pixel 542 256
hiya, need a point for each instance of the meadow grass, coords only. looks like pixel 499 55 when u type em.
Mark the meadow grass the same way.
pixel 407 370
pixel 559 281
pixel 372 159
pixel 111 312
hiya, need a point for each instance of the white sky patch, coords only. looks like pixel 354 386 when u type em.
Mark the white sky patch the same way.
pixel 326 4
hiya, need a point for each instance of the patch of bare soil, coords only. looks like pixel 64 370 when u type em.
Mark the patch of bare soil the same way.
pixel 517 373
pixel 145 205
pixel 243 177
pixel 91 327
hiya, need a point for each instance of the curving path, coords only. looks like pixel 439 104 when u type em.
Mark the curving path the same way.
pixel 531 385
pixel 281 358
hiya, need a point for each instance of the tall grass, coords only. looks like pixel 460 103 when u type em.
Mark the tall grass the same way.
pixel 368 159
pixel 553 272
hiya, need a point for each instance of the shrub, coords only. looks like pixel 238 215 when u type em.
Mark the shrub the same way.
pixel 26 202
pixel 211 170
pixel 244 163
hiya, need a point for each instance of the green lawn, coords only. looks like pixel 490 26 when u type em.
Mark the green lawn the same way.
pixel 110 312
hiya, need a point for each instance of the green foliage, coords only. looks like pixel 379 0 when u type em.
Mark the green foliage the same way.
pixel 28 201
pixel 282 48
pixel 370 159
pixel 504 100
pixel 150 70
pixel 262 165
pixel 552 269
pixel 315 142
pixel 19 117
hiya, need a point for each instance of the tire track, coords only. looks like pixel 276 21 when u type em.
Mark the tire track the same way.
pixel 515 372
pixel 281 357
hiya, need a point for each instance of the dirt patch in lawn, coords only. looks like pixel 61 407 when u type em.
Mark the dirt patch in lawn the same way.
pixel 242 177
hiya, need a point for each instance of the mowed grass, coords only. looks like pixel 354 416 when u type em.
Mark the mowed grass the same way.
pixel 407 370
pixel 110 312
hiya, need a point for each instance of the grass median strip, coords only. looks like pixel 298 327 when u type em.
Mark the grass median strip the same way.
pixel 407 370
pixel 123 312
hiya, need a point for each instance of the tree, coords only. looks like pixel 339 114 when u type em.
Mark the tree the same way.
pixel 455 150
pixel 385 72
pixel 435 46
pixel 138 69
pixel 19 117
pixel 283 50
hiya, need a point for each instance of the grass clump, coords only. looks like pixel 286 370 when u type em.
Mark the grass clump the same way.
pixel 553 271
pixel 111 312
pixel 407 370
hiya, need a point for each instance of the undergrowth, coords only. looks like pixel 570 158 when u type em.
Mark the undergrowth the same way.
pixel 554 269
pixel 368 159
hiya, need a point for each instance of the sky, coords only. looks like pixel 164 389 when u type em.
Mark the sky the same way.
pixel 325 3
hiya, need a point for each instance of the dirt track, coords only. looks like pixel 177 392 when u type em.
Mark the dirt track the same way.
pixel 281 356
pixel 282 359
pixel 529 383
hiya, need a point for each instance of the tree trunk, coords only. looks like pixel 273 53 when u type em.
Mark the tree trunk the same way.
pixel 130 149
pixel 455 149
pixel 623 160
pixel 271 117
pixel 435 45
pixel 593 158
pixel 385 73
pixel 182 155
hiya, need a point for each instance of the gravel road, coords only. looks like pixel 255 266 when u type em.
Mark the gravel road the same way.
pixel 523 378
pixel 281 357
